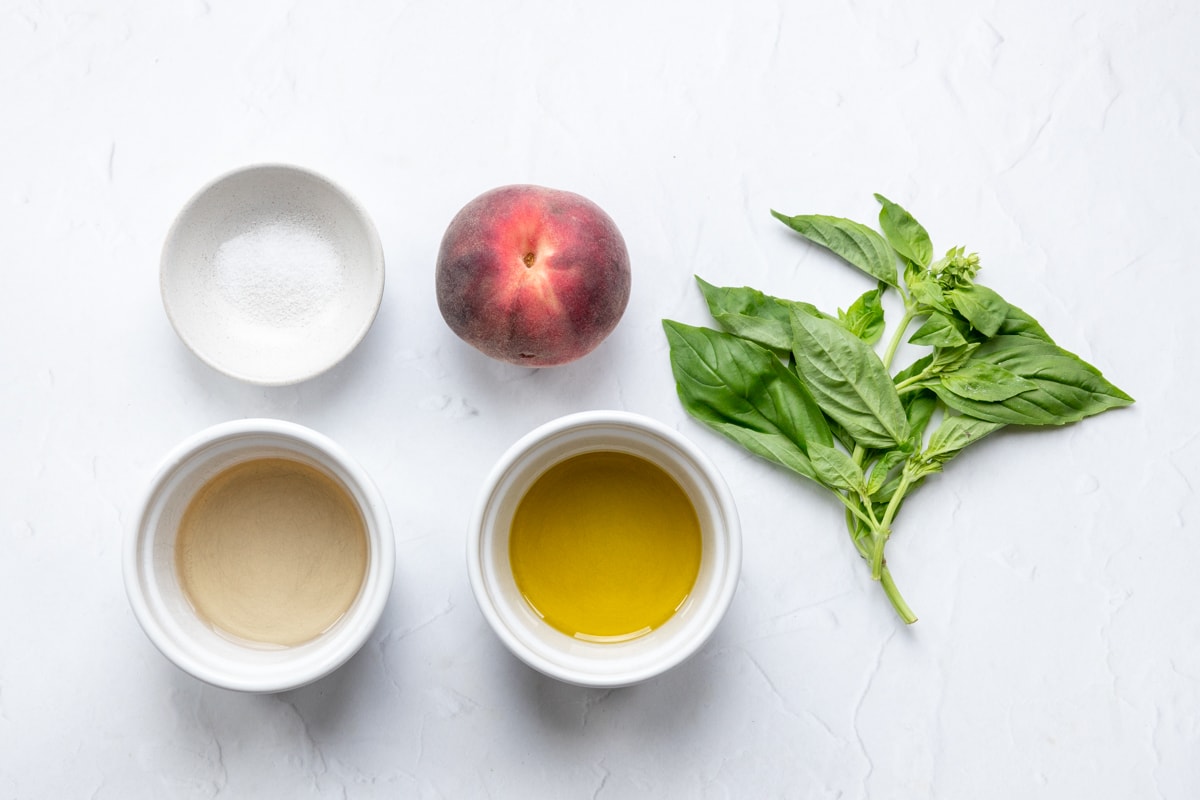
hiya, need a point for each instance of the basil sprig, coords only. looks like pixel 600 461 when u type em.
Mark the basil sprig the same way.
pixel 809 391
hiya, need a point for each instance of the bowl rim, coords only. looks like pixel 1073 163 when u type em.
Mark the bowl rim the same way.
pixel 319 660
pixel 726 583
pixel 373 242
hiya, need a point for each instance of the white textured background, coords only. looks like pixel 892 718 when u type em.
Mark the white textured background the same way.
pixel 1055 572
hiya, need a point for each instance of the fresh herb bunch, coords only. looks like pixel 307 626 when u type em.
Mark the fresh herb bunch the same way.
pixel 809 391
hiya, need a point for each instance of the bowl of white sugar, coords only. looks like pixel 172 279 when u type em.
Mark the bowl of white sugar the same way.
pixel 272 274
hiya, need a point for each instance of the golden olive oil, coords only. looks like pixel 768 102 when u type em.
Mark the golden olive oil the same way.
pixel 605 546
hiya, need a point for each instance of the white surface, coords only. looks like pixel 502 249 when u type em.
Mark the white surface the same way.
pixel 272 274
pixel 160 604
pixel 1058 652
pixel 589 663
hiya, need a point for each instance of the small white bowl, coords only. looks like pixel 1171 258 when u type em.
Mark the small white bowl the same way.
pixel 272 274
pixel 159 602
pixel 573 660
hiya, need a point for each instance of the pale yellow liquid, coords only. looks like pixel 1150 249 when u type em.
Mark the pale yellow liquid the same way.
pixel 271 550
pixel 605 546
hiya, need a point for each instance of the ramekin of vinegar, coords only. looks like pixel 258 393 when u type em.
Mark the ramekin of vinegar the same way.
pixel 605 548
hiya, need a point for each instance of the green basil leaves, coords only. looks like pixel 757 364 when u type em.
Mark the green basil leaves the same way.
pixel 808 391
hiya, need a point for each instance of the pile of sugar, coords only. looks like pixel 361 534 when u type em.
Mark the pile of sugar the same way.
pixel 283 273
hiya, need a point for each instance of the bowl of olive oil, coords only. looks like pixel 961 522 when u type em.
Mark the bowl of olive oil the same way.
pixel 605 548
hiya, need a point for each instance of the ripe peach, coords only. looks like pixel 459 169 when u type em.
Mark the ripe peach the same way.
pixel 532 276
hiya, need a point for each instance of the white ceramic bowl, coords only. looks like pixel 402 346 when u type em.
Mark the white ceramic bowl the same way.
pixel 272 274
pixel 573 660
pixel 159 603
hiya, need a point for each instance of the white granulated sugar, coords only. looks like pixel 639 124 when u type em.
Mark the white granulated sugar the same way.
pixel 282 273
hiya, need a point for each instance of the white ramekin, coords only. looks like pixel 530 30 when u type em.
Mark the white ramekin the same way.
pixel 570 659
pixel 272 274
pixel 158 601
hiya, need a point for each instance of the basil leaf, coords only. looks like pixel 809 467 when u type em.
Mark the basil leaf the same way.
pixel 865 317
pixel 940 330
pixel 882 468
pixel 956 432
pixel 919 403
pixel 983 308
pixel 742 391
pixel 948 440
pixel 948 359
pixel 836 469
pixel 840 434
pixel 853 241
pixel 904 233
pixel 1067 388
pixel 1018 323
pixel 753 315
pixel 848 381
pixel 925 289
pixel 918 409
pixel 914 369
pixel 979 380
